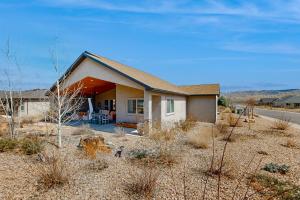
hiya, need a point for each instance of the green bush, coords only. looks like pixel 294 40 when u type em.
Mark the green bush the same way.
pixel 223 101
pixel 276 188
pixel 31 146
pixel 7 144
pixel 275 168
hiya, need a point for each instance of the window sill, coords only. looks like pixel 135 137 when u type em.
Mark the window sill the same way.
pixel 172 113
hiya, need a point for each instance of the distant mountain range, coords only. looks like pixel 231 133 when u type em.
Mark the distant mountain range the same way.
pixel 240 96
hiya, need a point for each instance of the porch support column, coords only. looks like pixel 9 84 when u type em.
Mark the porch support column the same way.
pixel 147 106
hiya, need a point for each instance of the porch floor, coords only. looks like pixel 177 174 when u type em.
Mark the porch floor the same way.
pixel 109 128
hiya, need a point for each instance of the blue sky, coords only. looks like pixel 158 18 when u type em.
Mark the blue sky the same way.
pixel 242 45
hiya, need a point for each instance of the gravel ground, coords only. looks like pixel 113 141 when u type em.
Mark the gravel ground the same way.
pixel 19 180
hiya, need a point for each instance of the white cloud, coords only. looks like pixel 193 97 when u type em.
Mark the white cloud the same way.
pixel 288 10
pixel 270 48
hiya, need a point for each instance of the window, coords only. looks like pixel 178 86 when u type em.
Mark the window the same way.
pixel 106 105
pixel 132 106
pixel 22 107
pixel 170 105
pixel 136 106
pixel 140 106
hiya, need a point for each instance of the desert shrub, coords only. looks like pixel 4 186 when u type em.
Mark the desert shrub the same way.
pixel 98 165
pixel 281 124
pixel 187 125
pixel 142 184
pixel 83 130
pixel 54 172
pixel 234 121
pixel 8 144
pixel 233 137
pixel 222 127
pixel 290 143
pixel 159 135
pixel 153 157
pixel 227 110
pixel 272 187
pixel 275 168
pixel 31 145
pixel 119 132
pixel 199 139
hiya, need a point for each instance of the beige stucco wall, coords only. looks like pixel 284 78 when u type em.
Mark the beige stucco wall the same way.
pixel 90 68
pixel 108 95
pixel 123 93
pixel 203 108
pixel 179 108
pixel 34 108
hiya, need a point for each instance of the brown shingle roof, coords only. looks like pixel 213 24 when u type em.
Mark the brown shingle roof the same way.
pixel 147 80
pixel 138 75
pixel 26 94
pixel 206 89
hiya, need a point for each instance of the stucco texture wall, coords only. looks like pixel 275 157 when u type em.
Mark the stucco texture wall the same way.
pixel 179 108
pixel 123 93
pixel 34 108
pixel 203 108
pixel 89 68
pixel 108 95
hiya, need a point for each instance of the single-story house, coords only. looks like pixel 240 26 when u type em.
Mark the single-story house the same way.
pixel 27 103
pixel 136 96
pixel 288 102
pixel 267 101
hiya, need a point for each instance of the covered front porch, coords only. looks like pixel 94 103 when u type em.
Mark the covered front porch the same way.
pixel 106 102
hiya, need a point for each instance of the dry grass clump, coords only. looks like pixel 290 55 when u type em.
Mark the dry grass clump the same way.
pixel 31 119
pixel 142 184
pixel 234 121
pixel 54 172
pixel 98 165
pixel 222 128
pixel 83 130
pixel 281 124
pixel 158 134
pixel 229 167
pixel 3 127
pixel 291 143
pixel 227 110
pixel 187 125
pixel 199 138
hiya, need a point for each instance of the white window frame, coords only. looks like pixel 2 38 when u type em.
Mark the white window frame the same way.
pixel 22 104
pixel 136 106
pixel 167 100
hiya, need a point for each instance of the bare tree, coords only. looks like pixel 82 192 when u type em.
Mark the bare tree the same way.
pixel 65 101
pixel 11 98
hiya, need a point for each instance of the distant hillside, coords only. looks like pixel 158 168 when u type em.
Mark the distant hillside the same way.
pixel 241 96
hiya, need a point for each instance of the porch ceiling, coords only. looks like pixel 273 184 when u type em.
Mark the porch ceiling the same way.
pixel 90 86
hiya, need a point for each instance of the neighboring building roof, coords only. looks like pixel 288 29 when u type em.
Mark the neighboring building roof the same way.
pixel 147 80
pixel 26 94
pixel 208 89
pixel 293 99
pixel 268 100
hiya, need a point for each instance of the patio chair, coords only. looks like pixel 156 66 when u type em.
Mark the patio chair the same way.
pixel 104 119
